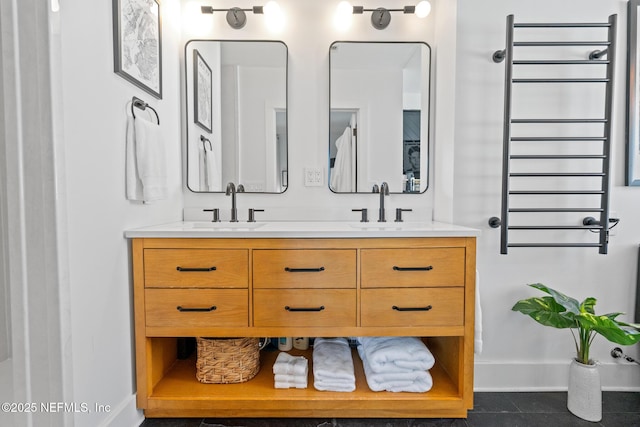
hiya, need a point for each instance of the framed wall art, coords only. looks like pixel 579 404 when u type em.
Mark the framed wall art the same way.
pixel 202 92
pixel 633 99
pixel 137 43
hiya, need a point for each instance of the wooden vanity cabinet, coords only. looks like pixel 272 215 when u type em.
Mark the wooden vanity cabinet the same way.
pixel 265 287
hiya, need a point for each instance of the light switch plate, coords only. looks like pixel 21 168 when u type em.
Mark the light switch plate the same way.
pixel 313 177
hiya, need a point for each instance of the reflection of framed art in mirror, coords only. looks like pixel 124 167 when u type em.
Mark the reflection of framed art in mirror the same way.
pixel 202 92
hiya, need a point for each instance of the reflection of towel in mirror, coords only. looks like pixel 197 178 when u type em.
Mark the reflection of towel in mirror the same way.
pixel 150 161
pixel 210 173
pixel 333 365
pixel 214 170
pixel 202 169
pixel 341 173
pixel 395 354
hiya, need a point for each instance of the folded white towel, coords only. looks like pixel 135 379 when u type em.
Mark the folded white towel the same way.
pixel 132 180
pixel 150 160
pixel 285 384
pixel 287 364
pixel 333 365
pixel 396 354
pixel 410 381
pixel 286 378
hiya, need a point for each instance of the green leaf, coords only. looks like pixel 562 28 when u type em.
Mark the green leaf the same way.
pixel 588 305
pixel 568 303
pixel 611 330
pixel 546 311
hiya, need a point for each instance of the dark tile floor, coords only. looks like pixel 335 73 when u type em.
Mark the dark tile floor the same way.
pixel 543 409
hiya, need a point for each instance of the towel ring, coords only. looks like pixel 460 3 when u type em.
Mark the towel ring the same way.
pixel 137 102
pixel 205 140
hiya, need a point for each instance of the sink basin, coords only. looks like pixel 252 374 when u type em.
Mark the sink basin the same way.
pixel 228 225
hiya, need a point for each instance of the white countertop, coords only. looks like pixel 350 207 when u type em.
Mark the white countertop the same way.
pixel 301 229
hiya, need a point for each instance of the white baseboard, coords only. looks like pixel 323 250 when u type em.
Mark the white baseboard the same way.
pixel 125 414
pixel 553 376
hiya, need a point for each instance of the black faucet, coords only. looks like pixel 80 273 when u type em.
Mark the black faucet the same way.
pixel 384 191
pixel 231 191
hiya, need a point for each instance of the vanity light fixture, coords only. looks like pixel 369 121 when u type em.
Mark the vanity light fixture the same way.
pixel 380 17
pixel 237 18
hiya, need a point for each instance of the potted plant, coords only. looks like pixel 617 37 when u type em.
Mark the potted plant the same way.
pixel 560 311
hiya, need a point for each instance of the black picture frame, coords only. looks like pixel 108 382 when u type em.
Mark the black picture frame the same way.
pixel 137 43
pixel 202 92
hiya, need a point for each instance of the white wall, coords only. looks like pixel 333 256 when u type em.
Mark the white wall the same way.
pixel 518 353
pixel 94 103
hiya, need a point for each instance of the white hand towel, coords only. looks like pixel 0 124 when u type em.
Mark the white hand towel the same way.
pixel 133 183
pixel 287 364
pixel 396 354
pixel 410 381
pixel 150 160
pixel 333 365
pixel 478 319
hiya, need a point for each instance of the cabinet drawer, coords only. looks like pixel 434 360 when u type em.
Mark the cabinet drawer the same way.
pixel 304 268
pixel 384 268
pixel 196 268
pixel 413 307
pixel 197 307
pixel 304 307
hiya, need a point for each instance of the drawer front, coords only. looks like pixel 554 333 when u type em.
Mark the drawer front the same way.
pixel 196 268
pixel 304 268
pixel 386 268
pixel 304 307
pixel 413 307
pixel 197 307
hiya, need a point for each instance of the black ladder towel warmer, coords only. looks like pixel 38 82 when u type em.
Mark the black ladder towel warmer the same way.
pixel 560 194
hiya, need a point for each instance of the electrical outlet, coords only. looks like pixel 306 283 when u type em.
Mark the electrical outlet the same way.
pixel 313 177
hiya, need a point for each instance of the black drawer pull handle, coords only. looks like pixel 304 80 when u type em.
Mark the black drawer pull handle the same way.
pixel 304 309
pixel 196 269
pixel 427 308
pixel 202 310
pixel 304 270
pixel 427 268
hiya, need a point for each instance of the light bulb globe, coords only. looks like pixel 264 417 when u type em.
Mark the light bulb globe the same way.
pixel 423 9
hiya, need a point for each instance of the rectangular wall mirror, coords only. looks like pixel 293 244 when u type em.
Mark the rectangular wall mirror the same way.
pixel 379 116
pixel 236 101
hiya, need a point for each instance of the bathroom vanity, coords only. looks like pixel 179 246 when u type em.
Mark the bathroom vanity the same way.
pixel 302 279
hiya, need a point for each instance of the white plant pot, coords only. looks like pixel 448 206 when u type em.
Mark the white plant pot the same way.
pixel 584 398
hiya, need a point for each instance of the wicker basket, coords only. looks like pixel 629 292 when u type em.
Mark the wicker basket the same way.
pixel 227 360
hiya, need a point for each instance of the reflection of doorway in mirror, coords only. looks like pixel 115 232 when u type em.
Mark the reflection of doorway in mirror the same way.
pixel 281 150
pixel 343 150
pixel 411 150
